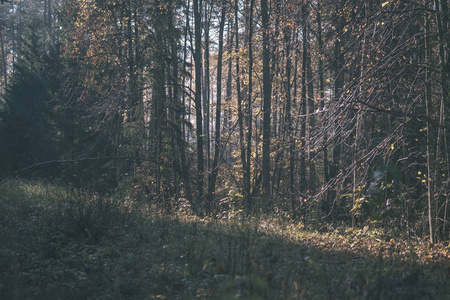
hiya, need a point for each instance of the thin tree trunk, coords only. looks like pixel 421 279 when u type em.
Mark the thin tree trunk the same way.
pixel 229 86
pixel 292 146
pixel 217 141
pixel 274 130
pixel 183 83
pixel 428 106
pixel 326 174
pixel 5 74
pixel 249 103
pixel 207 94
pixel 198 100
pixel 179 105
pixel 338 64
pixel 303 154
pixel 311 106
pixel 159 97
pixel 239 96
pixel 267 107
pixel 442 14
pixel 288 129
pixel 359 120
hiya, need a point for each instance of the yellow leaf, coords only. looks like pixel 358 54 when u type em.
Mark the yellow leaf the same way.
pixel 384 4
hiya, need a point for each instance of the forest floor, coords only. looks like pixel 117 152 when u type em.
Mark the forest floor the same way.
pixel 61 244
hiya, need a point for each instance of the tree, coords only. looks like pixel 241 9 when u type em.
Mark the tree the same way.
pixel 267 107
pixel 217 137
pixel 198 99
pixel 27 118
pixel 332 110
pixel 248 164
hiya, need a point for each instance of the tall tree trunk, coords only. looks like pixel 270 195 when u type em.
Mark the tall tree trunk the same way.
pixel 275 70
pixel 288 129
pixel 239 96
pixel 304 104
pixel 292 146
pixel 217 139
pixel 443 22
pixel 267 106
pixel 158 97
pixel 338 64
pixel 184 75
pixel 249 108
pixel 359 119
pixel 326 175
pixel 428 107
pixel 198 100
pixel 179 104
pixel 134 99
pixel 229 91
pixel 4 69
pixel 311 105
pixel 207 93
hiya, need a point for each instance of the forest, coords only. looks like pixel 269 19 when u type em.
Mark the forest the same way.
pixel 224 149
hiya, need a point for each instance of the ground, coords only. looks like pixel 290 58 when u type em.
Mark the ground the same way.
pixel 66 244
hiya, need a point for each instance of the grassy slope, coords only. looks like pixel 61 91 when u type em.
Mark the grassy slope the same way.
pixel 69 245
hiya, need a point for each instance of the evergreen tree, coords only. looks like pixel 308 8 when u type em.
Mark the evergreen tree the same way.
pixel 28 124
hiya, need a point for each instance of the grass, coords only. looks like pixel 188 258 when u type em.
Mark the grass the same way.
pixel 59 243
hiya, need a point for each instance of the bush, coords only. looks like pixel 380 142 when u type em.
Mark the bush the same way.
pixel 89 216
pixel 48 234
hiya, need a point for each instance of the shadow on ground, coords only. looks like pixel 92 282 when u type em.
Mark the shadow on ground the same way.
pixel 67 249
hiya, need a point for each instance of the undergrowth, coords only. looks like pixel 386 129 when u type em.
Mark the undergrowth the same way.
pixel 61 243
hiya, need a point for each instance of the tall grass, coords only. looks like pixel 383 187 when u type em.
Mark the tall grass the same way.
pixel 47 232
pixel 62 243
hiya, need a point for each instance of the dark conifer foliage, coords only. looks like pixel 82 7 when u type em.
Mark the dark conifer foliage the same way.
pixel 29 109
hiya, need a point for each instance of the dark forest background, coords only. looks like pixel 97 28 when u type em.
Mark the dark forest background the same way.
pixel 328 112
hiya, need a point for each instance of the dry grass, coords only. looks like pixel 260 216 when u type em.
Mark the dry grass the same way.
pixel 57 244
